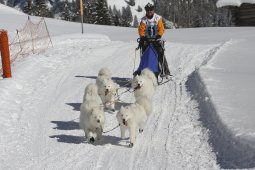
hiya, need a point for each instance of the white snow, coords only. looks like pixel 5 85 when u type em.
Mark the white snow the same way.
pixel 222 3
pixel 203 119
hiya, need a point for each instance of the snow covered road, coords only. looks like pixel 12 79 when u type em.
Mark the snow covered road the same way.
pixel 41 130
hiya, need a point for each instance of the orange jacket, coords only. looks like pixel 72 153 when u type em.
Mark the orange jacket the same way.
pixel 156 19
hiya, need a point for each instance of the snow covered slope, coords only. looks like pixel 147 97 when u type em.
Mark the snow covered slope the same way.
pixel 40 104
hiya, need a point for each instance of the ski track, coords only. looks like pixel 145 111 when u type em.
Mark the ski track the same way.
pixel 172 139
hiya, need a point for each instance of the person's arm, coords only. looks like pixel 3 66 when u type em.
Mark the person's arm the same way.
pixel 161 28
pixel 141 29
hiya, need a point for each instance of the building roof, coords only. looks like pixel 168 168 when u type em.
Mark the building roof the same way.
pixel 222 3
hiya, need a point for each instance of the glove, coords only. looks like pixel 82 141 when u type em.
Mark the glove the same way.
pixel 158 37
pixel 142 40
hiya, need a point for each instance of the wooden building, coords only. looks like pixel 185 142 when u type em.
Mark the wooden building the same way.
pixel 242 13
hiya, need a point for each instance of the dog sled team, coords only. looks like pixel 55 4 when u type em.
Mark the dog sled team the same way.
pixel 102 94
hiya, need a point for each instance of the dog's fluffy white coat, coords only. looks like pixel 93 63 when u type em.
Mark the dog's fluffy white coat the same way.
pixel 144 84
pixel 91 93
pixel 92 116
pixel 107 89
pixel 108 92
pixel 134 117
pixel 103 74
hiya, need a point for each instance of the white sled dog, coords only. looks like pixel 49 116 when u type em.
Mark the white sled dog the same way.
pixel 104 73
pixel 108 92
pixel 91 93
pixel 92 116
pixel 144 85
pixel 146 104
pixel 133 117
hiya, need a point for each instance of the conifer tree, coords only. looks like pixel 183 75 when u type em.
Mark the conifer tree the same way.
pixel 10 3
pixel 40 8
pixel 127 17
pixel 102 14
pixel 135 24
pixel 66 11
pixel 28 7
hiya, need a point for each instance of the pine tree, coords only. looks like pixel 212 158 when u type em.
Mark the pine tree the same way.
pixel 102 14
pixel 10 3
pixel 110 11
pixel 28 7
pixel 94 12
pixel 88 18
pixel 135 25
pixel 75 10
pixel 66 11
pixel 116 16
pixel 40 8
pixel 127 17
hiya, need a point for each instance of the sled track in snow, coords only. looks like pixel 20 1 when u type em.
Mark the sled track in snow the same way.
pixel 176 135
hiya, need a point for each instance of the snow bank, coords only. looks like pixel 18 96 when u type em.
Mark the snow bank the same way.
pixel 232 152
pixel 222 3
pixel 5 9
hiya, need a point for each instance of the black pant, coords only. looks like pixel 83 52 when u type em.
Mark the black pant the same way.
pixel 163 65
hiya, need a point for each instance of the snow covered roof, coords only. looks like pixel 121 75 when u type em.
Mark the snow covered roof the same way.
pixel 222 3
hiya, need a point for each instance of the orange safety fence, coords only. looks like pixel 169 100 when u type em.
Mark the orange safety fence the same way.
pixel 4 47
pixel 32 38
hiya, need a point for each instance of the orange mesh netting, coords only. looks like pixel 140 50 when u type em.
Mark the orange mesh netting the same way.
pixel 32 38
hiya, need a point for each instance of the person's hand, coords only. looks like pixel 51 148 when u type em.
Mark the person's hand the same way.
pixel 142 40
pixel 158 38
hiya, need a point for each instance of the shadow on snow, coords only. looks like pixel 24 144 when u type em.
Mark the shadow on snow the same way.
pixel 123 82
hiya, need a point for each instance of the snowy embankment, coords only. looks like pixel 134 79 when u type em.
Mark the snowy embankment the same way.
pixel 232 152
pixel 224 87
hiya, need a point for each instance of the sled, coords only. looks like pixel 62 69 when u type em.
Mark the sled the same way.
pixel 149 59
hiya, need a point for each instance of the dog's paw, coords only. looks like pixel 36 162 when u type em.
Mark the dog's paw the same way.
pixel 92 140
pixel 140 130
pixel 131 145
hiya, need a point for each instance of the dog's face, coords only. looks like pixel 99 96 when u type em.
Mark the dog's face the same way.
pixel 97 117
pixel 138 82
pixel 125 115
pixel 109 87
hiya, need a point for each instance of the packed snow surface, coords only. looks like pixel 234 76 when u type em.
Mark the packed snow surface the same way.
pixel 40 104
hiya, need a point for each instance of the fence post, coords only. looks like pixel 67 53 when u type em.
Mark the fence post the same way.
pixel 5 53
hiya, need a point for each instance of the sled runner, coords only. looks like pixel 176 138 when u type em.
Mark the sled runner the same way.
pixel 152 57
